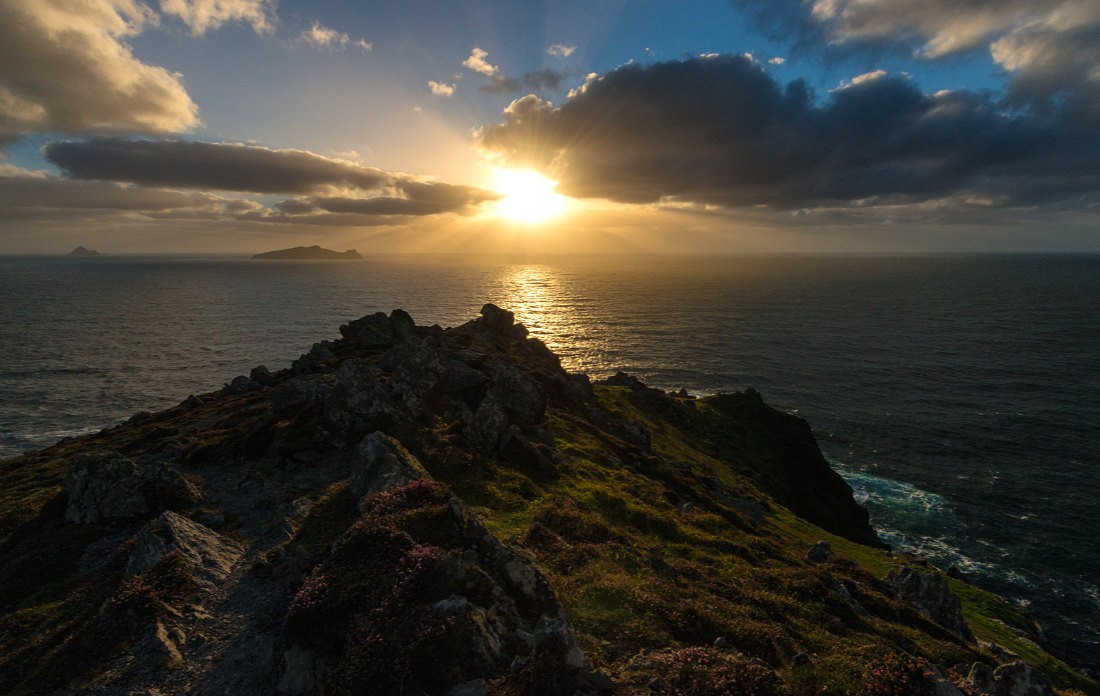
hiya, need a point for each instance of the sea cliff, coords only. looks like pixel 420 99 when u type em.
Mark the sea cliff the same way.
pixel 416 510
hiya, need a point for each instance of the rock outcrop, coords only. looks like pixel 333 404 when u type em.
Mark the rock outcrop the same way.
pixel 929 594
pixel 411 509
pixel 207 556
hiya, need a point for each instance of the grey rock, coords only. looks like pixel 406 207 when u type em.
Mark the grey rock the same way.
pixel 103 486
pixel 240 385
pixel 209 556
pixel 981 678
pixel 300 392
pixel 372 331
pixel 303 671
pixel 1020 679
pixel 477 687
pixel 821 552
pixel 381 463
pixel 929 594
pixel 157 649
pixel 262 376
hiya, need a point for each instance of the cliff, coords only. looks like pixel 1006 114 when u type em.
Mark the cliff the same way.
pixel 310 253
pixel 414 510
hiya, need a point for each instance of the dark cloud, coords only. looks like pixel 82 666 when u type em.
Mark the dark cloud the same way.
pixel 719 130
pixel 543 80
pixel 219 166
pixel 25 195
pixel 499 84
pixel 1049 50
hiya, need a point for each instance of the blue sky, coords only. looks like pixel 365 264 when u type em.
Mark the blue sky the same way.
pixel 738 125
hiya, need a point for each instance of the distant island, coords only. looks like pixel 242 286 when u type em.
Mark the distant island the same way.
pixel 82 251
pixel 310 252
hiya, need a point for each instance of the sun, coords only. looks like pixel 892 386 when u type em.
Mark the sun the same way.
pixel 527 197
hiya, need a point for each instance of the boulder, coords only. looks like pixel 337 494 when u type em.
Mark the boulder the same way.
pixel 381 463
pixel 1020 679
pixel 208 555
pixel 373 331
pixel 821 552
pixel 301 392
pixel 103 486
pixel 929 594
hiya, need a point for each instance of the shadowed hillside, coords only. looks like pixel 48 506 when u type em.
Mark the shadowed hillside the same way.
pixel 414 510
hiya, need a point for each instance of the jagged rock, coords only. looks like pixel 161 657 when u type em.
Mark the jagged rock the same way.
pixel 372 331
pixel 929 594
pixel 415 370
pixel 980 678
pixel 208 555
pixel 240 385
pixel 821 552
pixel 495 320
pixel 837 586
pixel 381 463
pixel 300 392
pixel 164 486
pixel 1020 679
pixel 262 376
pixel 303 671
pixel 157 649
pixel 636 434
pixel 103 486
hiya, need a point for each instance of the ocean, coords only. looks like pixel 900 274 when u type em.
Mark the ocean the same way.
pixel 958 395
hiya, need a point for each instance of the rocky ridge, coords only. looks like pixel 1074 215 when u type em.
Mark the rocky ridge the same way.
pixel 419 510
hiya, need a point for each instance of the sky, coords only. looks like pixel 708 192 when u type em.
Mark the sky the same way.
pixel 603 126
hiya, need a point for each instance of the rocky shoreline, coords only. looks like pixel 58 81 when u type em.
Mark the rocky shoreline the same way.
pixel 412 509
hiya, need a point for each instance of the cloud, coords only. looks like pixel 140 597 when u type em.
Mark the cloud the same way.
pixel 545 79
pixel 65 67
pixel 721 131
pixel 218 166
pixel 203 15
pixel 441 89
pixel 560 50
pixel 320 36
pixel 1050 49
pixel 478 64
pixel 116 174
pixel 28 195
pixel 499 84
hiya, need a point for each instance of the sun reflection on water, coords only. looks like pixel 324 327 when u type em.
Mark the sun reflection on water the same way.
pixel 549 303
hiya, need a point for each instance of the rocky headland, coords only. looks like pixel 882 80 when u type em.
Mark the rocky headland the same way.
pixel 82 251
pixel 309 253
pixel 416 510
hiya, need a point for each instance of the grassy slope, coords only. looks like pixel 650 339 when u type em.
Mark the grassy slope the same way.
pixel 638 569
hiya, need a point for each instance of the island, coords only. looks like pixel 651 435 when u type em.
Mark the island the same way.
pixel 309 253
pixel 83 251
pixel 409 509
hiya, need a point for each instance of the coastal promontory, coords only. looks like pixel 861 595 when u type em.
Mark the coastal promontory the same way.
pixel 410 509
pixel 309 253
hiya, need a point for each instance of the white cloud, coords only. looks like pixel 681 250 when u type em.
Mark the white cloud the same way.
pixel 561 50
pixel 320 36
pixel 441 89
pixel 66 67
pixel 202 15
pixel 323 37
pixel 778 60
pixel 477 62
